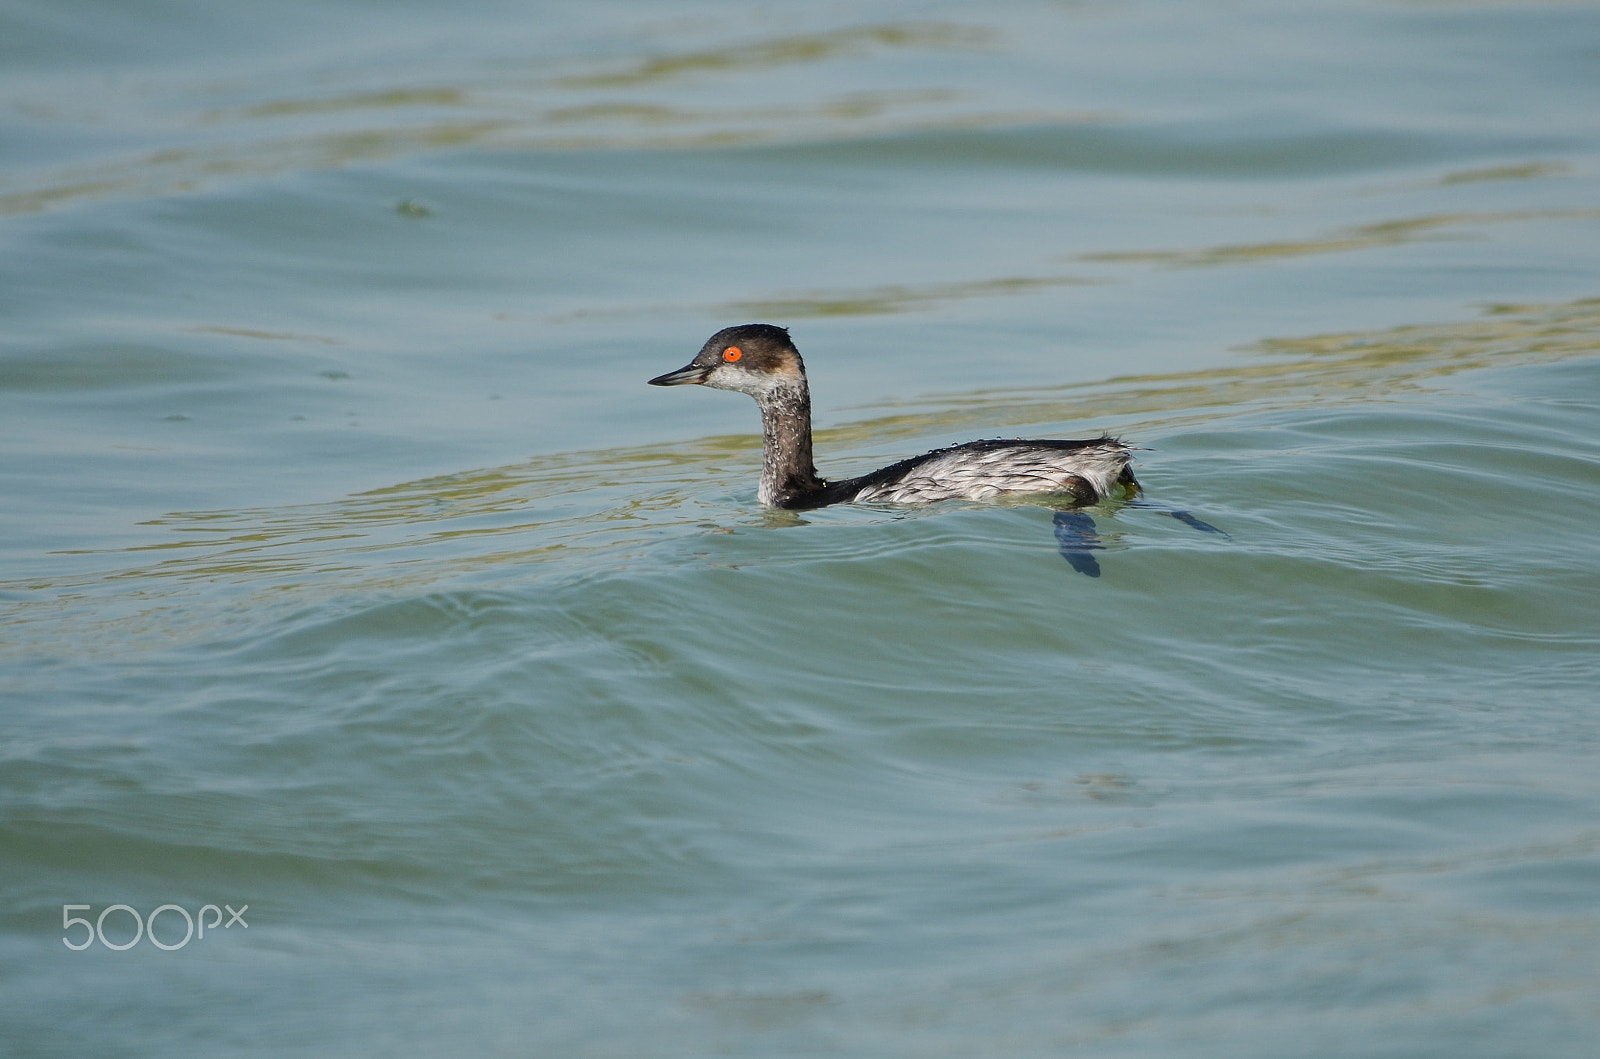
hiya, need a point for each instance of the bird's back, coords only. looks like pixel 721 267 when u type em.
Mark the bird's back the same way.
pixel 1088 470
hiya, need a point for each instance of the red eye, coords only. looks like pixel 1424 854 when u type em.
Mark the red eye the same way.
pixel 732 353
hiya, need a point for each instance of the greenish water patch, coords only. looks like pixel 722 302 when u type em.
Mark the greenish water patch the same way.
pixel 574 512
pixel 1365 237
pixel 765 55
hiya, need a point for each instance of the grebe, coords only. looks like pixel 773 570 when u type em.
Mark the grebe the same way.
pixel 761 360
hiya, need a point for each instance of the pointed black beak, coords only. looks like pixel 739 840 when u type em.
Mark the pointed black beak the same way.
pixel 689 373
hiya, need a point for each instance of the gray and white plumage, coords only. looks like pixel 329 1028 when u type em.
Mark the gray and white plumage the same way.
pixel 761 360
pixel 983 470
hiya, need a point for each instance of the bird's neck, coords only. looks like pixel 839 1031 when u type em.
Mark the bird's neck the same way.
pixel 787 473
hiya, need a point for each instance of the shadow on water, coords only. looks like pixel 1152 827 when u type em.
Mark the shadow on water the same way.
pixel 1078 538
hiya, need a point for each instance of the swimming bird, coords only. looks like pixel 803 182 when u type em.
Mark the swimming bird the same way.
pixel 762 361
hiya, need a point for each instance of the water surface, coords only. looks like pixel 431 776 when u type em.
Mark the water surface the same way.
pixel 351 572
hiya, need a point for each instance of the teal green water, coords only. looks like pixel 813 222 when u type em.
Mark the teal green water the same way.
pixel 350 572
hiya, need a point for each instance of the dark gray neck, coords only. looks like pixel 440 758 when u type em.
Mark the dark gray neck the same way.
pixel 787 473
